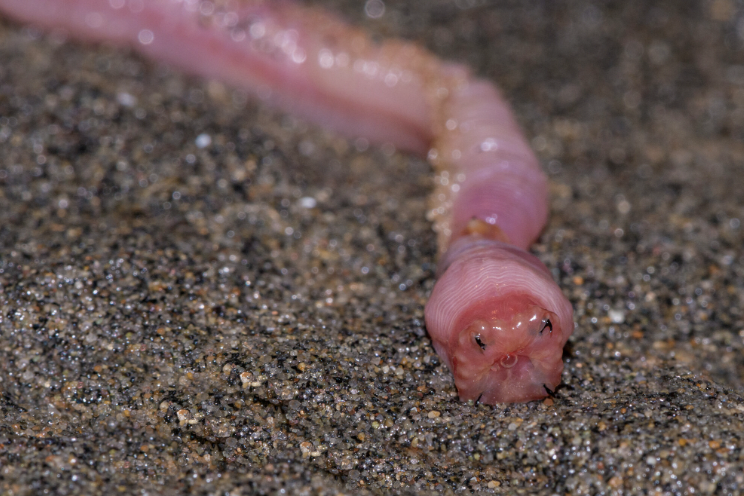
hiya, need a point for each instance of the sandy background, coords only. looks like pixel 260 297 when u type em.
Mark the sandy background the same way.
pixel 199 294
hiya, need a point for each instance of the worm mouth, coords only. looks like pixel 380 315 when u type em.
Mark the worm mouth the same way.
pixel 510 354
pixel 507 361
pixel 515 379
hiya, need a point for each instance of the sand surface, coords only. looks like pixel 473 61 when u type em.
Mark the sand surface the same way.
pixel 202 295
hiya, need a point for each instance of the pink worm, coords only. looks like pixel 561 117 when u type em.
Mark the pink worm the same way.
pixel 495 316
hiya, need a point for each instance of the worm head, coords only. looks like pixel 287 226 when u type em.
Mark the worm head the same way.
pixel 508 350
pixel 499 322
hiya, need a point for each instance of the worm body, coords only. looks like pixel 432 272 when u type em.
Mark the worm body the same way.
pixel 495 316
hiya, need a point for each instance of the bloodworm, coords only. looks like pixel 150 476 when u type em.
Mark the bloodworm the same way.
pixel 495 316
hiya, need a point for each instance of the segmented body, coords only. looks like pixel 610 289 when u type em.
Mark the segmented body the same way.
pixel 495 315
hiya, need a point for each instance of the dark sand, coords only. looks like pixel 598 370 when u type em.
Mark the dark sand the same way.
pixel 177 318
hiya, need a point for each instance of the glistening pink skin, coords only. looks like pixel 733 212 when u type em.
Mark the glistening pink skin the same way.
pixel 495 316
pixel 502 334
pixel 301 59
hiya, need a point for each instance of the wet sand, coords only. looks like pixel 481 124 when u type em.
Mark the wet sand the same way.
pixel 202 295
